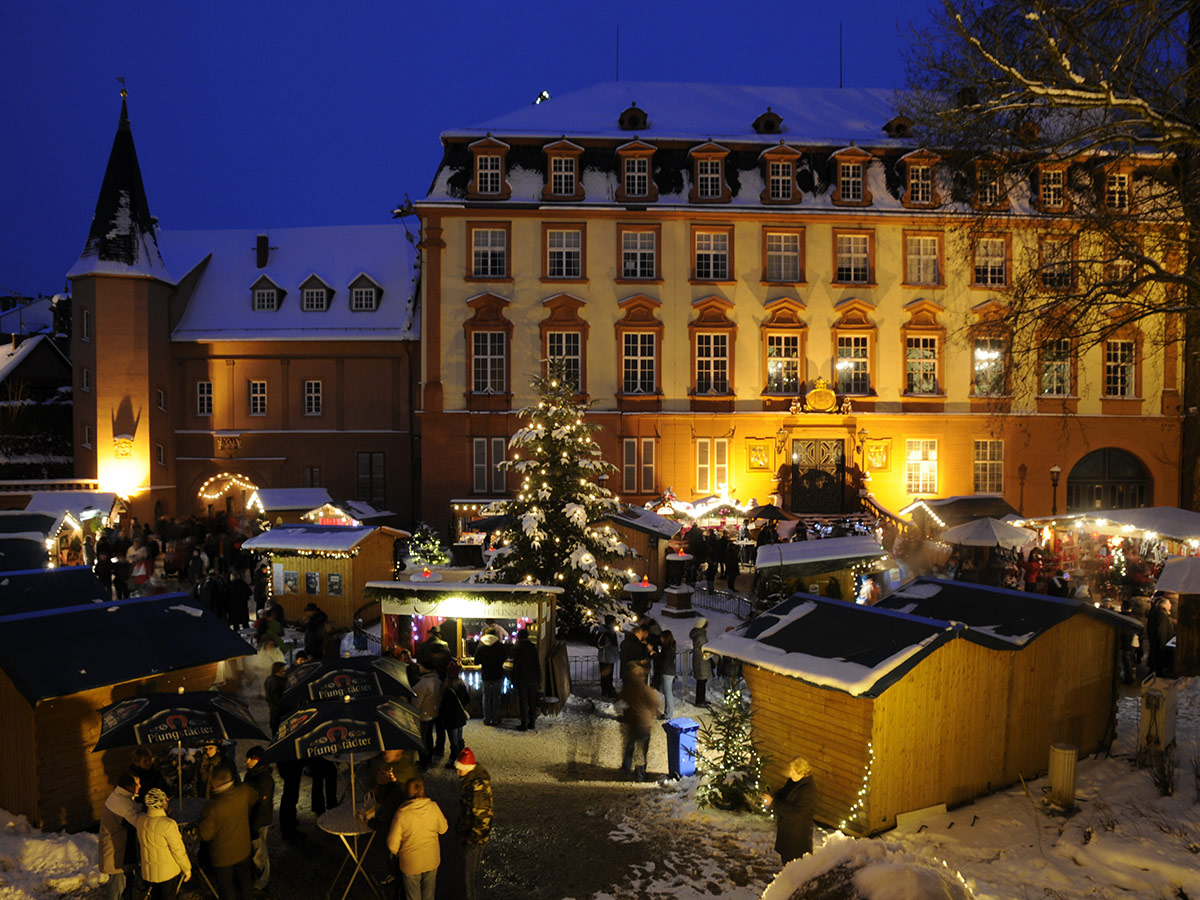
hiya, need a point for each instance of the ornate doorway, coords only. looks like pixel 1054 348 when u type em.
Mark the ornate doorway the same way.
pixel 1108 479
pixel 818 475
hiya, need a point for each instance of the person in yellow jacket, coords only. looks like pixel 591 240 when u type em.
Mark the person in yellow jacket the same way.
pixel 165 863
pixel 413 838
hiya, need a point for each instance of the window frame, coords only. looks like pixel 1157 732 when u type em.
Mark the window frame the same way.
pixel 851 169
pixel 939 257
pixel 160 399
pixel 725 231
pixel 160 454
pixel 988 470
pixel 565 334
pixel 638 464
pixel 548 230
pixel 1069 362
pixel 85 380
pixel 204 398
pixel 370 290
pixel 472 229
pixel 313 397
pixel 1001 343
pixel 654 357
pixel 785 231
pixel 1005 242
pixel 374 497
pixel 785 319
pixel 319 296
pixel 709 153
pixel 712 459
pixel 1112 367
pixel 1056 274
pixel 849 233
pixel 636 150
pixel 563 161
pixel 256 397
pixel 638 316
pixel 488 360
pixel 1123 193
pixel 918 466
pixel 655 231
pixel 1048 204
pixel 712 353
pixel 923 363
pixel 264 299
pixel 488 147
pixel 854 321
pixel 85 328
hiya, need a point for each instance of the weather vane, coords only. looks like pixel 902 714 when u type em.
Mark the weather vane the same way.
pixel 124 92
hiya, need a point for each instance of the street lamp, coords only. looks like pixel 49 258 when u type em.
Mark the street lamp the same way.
pixel 1021 473
pixel 1055 471
pixel 781 437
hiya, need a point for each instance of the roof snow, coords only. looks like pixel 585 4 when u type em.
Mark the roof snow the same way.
pixel 11 357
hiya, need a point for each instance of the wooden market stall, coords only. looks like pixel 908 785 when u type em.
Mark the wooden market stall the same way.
pixel 329 565
pixel 649 535
pixel 808 565
pixel 58 535
pixel 279 505
pixel 1181 577
pixel 943 692
pixel 61 663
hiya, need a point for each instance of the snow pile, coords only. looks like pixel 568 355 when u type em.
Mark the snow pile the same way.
pixel 37 865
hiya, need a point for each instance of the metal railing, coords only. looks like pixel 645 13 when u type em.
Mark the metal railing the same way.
pixel 585 671
pixel 722 601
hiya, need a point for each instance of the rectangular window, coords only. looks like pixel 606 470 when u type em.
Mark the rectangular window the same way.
pixel 712 364
pixel 712 255
pixel 562 176
pixel 564 254
pixel 989 362
pixel 988 193
pixel 991 262
pixel 498 471
pixel 779 175
pixel 629 465
pixel 479 465
pixel 1052 188
pixel 312 398
pixel 87 435
pixel 712 465
pixel 314 300
pixel 920 467
pixel 637 177
pixel 638 363
pixel 853 365
pixel 489 252
pixel 647 465
pixel 923 259
pixel 783 364
pixel 989 467
pixel 783 256
pixel 920 365
pixel 638 254
pixel 258 398
pixel 312 476
pixel 265 299
pixel 566 345
pixel 1056 368
pixel 85 330
pixel 1056 263
pixel 920 184
pixel 488 362
pixel 362 299
pixel 86 383
pixel 1116 191
pixel 1120 369
pixel 371 479
pixel 160 455
pixel 204 398
pixel 850 180
pixel 708 173
pixel 853 258
pixel 487 174
pixel 160 400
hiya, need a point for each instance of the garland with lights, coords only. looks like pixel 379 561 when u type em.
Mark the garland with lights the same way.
pixel 859 807
pixel 727 762
pixel 555 536
pixel 231 481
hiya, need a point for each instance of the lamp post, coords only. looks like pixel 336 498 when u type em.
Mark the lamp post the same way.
pixel 1021 473
pixel 1055 471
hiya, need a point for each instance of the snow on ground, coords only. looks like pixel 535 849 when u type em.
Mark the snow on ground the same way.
pixel 1125 840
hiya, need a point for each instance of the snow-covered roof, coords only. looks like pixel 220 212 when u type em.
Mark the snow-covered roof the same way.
pixel 1165 521
pixel 647 522
pixel 799 553
pixel 28 317
pixel 80 504
pixel 327 538
pixel 219 304
pixel 11 357
pixel 363 511
pixel 694 111
pixel 279 499
pixel 16 523
pixel 1180 575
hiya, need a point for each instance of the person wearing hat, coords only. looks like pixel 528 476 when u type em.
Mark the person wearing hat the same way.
pixel 117 817
pixel 262 780
pixel 701 666
pixel 212 755
pixel 316 627
pixel 225 825
pixel 165 863
pixel 474 825
pixel 413 839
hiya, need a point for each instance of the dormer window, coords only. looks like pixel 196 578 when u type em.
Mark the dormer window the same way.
pixel 708 175
pixel 362 299
pixel 1052 190
pixel 637 176
pixel 633 119
pixel 851 173
pixel 780 163
pixel 636 168
pixel 488 159
pixel 921 192
pixel 850 179
pixel 488 173
pixel 989 192
pixel 315 300
pixel 1116 191
pixel 266 299
pixel 562 171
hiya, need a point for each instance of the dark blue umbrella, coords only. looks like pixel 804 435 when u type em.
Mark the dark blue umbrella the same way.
pixel 334 679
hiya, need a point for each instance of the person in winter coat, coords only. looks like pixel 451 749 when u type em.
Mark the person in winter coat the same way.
pixel 165 863
pixel 491 654
pixel 664 673
pixel 1159 631
pixel 212 755
pixel 144 768
pixel 474 825
pixel 694 544
pixel 1131 643
pixel 117 820
pixel 211 595
pixel 714 556
pixel 641 709
pixel 237 600
pixel 456 702
pixel 316 626
pixel 793 806
pixel 273 687
pixel 609 654
pixel 262 780
pixel 732 561
pixel 269 627
pixel 635 653
pixel 225 825
pixel 434 653
pixel 527 675
pixel 701 665
pixel 428 700
pixel 413 839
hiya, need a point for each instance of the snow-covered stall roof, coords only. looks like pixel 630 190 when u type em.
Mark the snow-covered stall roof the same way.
pixel 40 589
pixel 219 303
pixel 1180 575
pixel 324 538
pixel 962 508
pixel 81 504
pixel 802 553
pixel 647 522
pixel 14 522
pixel 720 112
pixel 1164 521
pixel 283 499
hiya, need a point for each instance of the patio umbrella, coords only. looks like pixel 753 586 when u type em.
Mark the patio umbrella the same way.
pixel 988 533
pixel 767 511
pixel 334 679
pixel 362 724
pixel 195 716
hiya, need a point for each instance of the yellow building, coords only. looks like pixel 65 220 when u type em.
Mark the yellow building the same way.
pixel 769 290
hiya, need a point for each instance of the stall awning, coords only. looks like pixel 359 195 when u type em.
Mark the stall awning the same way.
pixel 271 500
pixel 316 538
pixel 1180 575
pixel 804 553
pixel 460 600
pixel 1162 521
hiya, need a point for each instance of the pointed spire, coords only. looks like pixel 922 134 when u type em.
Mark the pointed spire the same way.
pixel 122 239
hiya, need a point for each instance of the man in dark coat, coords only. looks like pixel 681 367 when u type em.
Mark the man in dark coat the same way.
pixel 237 601
pixel 259 777
pixel 316 626
pixel 474 825
pixel 273 687
pixel 793 806
pixel 490 655
pixel 1159 631
pixel 527 675
pixel 635 652
pixel 225 826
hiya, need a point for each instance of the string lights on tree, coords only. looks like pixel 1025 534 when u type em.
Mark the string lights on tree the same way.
pixel 727 761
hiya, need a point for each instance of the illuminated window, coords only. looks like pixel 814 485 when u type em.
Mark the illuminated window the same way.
pixel 853 365
pixel 712 465
pixel 989 467
pixel 921 365
pixel 1056 368
pixel 989 366
pixel 920 467
pixel 783 364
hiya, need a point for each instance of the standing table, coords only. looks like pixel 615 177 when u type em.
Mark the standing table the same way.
pixel 639 596
pixel 677 567
pixel 346 825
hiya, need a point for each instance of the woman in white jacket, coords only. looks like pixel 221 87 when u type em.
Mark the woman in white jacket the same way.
pixel 164 858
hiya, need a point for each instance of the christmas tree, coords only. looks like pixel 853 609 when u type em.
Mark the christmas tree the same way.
pixel 730 768
pixel 426 549
pixel 558 534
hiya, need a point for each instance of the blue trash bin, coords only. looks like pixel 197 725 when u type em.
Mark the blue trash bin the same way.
pixel 681 746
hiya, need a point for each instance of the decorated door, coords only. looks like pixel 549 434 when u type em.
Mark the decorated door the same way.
pixel 818 475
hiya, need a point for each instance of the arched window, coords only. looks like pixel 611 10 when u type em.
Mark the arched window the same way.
pixel 1108 479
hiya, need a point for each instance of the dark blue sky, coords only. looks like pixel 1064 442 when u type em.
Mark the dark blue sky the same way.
pixel 273 114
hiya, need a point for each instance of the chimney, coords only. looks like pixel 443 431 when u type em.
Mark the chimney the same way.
pixel 261 249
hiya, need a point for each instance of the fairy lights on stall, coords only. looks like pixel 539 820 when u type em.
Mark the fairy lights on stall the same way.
pixel 859 807
pixel 232 481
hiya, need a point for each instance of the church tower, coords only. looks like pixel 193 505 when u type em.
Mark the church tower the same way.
pixel 120 343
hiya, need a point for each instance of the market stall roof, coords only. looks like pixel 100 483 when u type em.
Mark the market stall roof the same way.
pixel 283 499
pixel 81 504
pixel 641 519
pixel 801 553
pixel 42 589
pixel 325 538
pixel 1180 575
pixel 948 511
pixel 25 550
pixel 461 600
pixel 988 532
pixel 14 522
pixel 364 512
pixel 1164 521
pixel 110 643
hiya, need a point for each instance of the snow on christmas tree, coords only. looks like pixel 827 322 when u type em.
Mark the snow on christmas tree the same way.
pixel 558 534
pixel 729 766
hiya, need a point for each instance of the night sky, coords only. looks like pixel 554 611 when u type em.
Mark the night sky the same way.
pixel 262 115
